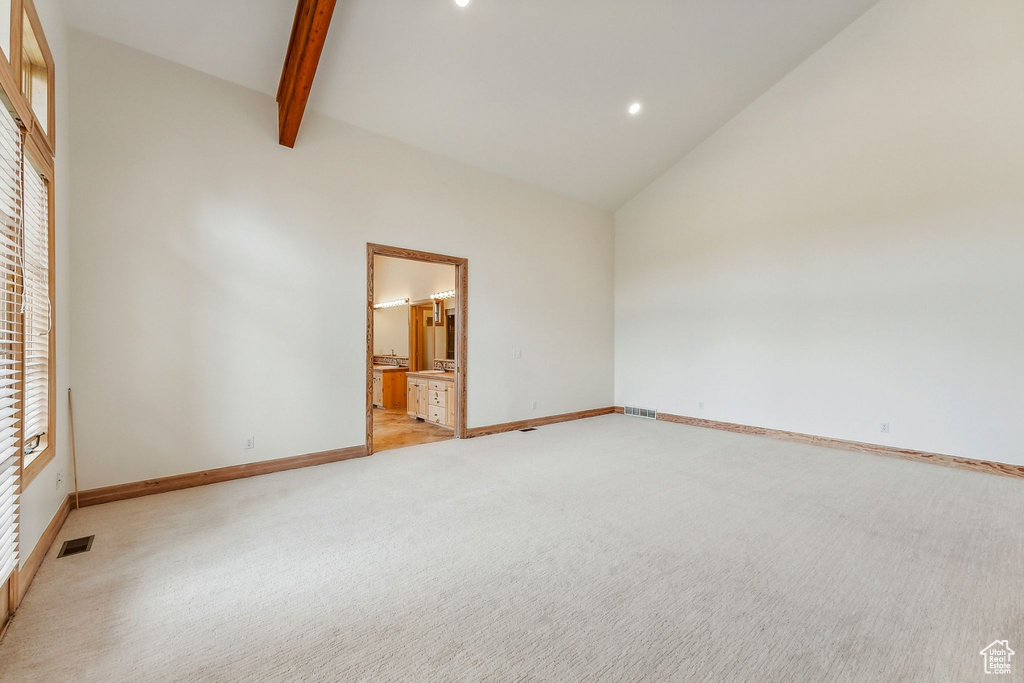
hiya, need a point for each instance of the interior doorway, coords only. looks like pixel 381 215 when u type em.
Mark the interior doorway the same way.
pixel 411 398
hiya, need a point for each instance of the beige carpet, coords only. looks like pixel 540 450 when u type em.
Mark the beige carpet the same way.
pixel 610 549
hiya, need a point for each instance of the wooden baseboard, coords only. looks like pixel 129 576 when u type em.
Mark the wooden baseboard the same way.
pixel 5 607
pixel 176 482
pixel 537 422
pixel 31 565
pixel 6 622
pixel 875 449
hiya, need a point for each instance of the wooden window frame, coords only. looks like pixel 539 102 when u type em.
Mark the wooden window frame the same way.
pixel 21 9
pixel 40 147
pixel 11 85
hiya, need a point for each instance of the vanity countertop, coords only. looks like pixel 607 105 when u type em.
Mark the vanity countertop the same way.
pixel 390 368
pixel 436 375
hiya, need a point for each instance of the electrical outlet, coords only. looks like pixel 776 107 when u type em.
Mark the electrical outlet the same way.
pixel 533 405
pixel 885 427
pixel 250 442
pixel 60 478
pixel 700 404
pixel 517 353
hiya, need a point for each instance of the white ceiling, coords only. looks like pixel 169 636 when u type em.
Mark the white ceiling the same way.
pixel 532 89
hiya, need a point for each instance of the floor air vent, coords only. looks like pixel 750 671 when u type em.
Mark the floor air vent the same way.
pixel 649 413
pixel 529 429
pixel 78 545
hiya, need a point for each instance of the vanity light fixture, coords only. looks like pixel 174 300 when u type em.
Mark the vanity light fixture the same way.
pixel 635 108
pixel 392 304
pixel 450 294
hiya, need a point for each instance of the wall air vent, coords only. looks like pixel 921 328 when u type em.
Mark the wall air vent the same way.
pixel 78 545
pixel 649 413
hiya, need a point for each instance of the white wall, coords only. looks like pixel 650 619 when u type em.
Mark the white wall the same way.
pixel 41 499
pixel 849 250
pixel 219 279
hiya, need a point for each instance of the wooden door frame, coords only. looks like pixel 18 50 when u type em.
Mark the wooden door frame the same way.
pixel 461 311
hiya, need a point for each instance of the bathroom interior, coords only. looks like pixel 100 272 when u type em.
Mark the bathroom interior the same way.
pixel 413 353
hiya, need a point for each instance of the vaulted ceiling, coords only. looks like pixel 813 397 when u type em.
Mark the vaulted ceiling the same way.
pixel 536 90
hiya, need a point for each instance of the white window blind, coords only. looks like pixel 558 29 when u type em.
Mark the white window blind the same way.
pixel 10 317
pixel 37 310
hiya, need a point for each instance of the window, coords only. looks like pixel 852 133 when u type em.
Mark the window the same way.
pixel 6 10
pixel 36 311
pixel 27 367
pixel 27 84
pixel 36 68
pixel 10 362
pixel 33 70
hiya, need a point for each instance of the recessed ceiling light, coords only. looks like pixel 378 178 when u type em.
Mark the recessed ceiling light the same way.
pixel 635 108
pixel 461 3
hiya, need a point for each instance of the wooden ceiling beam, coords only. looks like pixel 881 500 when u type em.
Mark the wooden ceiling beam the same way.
pixel 309 32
